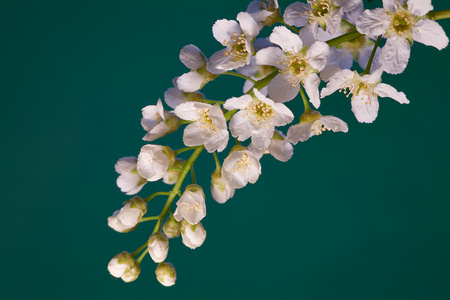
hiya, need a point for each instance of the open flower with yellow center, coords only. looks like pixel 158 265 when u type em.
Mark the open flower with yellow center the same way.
pixel 364 91
pixel 191 206
pixel 313 123
pixel 257 118
pixel 237 38
pixel 401 22
pixel 209 127
pixel 240 167
pixel 326 13
pixel 298 64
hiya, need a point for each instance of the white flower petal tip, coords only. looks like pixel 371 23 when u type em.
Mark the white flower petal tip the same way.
pixel 191 206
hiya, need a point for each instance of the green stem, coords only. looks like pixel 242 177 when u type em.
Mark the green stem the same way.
pixel 372 55
pixel 193 175
pixel 176 189
pixel 239 75
pixel 154 195
pixel 213 101
pixel 216 159
pixel 176 152
pixel 263 82
pixel 139 249
pixel 138 261
pixel 349 24
pixel 149 219
pixel 305 100
pixel 344 38
pixel 439 15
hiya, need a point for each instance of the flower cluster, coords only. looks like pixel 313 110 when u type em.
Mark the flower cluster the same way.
pixel 309 43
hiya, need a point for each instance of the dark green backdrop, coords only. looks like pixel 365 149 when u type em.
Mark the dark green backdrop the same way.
pixel 362 215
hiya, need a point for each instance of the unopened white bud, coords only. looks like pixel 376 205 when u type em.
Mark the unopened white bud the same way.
pixel 132 212
pixel 114 223
pixel 120 264
pixel 220 189
pixel 132 275
pixel 172 228
pixel 166 274
pixel 158 246
pixel 193 235
pixel 172 175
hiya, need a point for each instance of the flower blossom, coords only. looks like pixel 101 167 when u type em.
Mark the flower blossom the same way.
pixel 297 64
pixel 240 167
pixel 237 38
pixel 264 12
pixel 326 13
pixel 153 161
pixel 401 22
pixel 280 148
pixel 209 127
pixel 191 206
pixel 365 91
pixel 257 118
pixel 129 180
pixel 195 60
pixel 157 122
pixel 313 123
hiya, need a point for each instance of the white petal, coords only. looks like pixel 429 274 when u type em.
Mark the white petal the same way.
pixel 286 39
pixel 126 164
pixel 241 126
pixel 158 131
pixel 282 150
pixel 328 72
pixel 430 33
pixel 174 97
pixel 311 86
pixel 263 98
pixel 193 136
pixel 283 115
pixel 341 58
pixel 347 5
pixel 309 34
pixel 248 25
pixel 374 77
pixel 261 138
pixel 224 29
pixel 190 82
pixel 219 61
pixel 130 183
pixel 394 55
pixel 333 21
pixel 281 90
pixel 317 55
pixel 188 111
pixel 270 56
pixel 364 56
pixel 192 57
pixel 238 103
pixel 218 141
pixel 217 117
pixel 385 90
pixel 292 16
pixel 419 7
pixel 365 111
pixel 334 123
pixel 336 82
pixel 299 132
pixel 390 4
pixel 373 22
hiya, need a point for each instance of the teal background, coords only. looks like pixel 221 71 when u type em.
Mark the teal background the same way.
pixel 361 215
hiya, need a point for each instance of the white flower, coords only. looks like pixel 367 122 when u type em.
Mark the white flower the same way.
pixel 401 22
pixel 237 38
pixel 193 235
pixel 157 122
pixel 158 247
pixel 257 118
pixel 131 213
pixel 194 59
pixel 132 275
pixel 265 12
pixel 129 181
pixel 191 206
pixel 326 13
pixel 313 123
pixel 220 189
pixel 153 161
pixel 365 91
pixel 166 274
pixel 280 148
pixel 209 127
pixel 114 223
pixel 174 97
pixel 241 167
pixel 297 64
pixel 121 264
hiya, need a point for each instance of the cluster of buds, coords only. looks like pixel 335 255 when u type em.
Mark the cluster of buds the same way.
pixel 310 42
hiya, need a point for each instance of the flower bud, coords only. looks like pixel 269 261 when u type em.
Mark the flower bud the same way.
pixel 193 235
pixel 220 189
pixel 172 228
pixel 158 246
pixel 114 223
pixel 172 175
pixel 120 264
pixel 191 205
pixel 132 212
pixel 166 274
pixel 153 161
pixel 133 274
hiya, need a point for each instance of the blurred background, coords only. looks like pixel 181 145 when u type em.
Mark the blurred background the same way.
pixel 361 215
